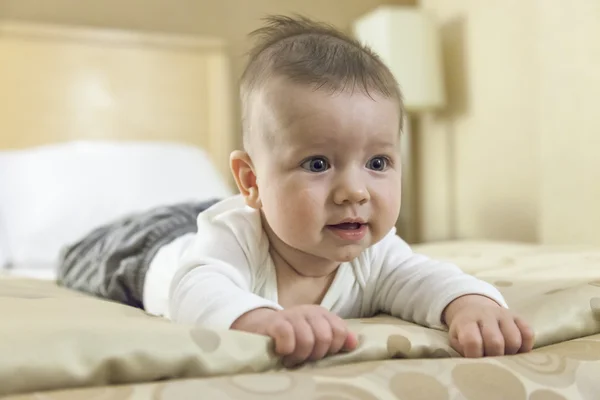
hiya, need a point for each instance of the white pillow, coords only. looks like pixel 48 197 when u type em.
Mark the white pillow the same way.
pixel 4 257
pixel 52 195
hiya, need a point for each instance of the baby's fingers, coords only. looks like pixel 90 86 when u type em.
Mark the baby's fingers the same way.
pixel 493 340
pixel 305 341
pixel 283 334
pixel 351 342
pixel 512 336
pixel 527 335
pixel 342 339
pixel 470 342
pixel 323 336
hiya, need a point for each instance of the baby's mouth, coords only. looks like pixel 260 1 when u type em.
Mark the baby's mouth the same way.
pixel 347 226
pixel 349 231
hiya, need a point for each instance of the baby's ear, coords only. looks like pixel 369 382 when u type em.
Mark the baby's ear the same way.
pixel 245 177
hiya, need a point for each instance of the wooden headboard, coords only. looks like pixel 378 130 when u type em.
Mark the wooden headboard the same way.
pixel 73 83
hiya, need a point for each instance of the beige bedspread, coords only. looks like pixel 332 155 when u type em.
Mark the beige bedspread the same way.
pixel 52 339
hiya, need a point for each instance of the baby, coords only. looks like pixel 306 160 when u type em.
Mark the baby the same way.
pixel 310 240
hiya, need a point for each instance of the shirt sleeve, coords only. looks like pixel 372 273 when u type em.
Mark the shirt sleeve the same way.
pixel 213 286
pixel 416 288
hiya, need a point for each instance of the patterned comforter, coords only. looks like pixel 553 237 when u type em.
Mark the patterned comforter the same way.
pixel 58 344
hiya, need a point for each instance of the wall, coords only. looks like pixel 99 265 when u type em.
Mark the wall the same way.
pixel 228 19
pixel 569 121
pixel 512 156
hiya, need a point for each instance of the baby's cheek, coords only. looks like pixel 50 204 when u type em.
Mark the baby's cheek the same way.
pixel 390 193
pixel 291 209
pixel 387 203
pixel 306 205
pixel 306 209
pixel 297 204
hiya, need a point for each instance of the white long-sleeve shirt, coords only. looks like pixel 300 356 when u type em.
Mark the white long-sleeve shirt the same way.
pixel 212 277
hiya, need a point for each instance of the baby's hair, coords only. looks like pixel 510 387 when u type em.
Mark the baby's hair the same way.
pixel 317 54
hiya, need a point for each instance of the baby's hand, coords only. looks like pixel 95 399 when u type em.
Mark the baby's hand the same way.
pixel 301 333
pixel 478 327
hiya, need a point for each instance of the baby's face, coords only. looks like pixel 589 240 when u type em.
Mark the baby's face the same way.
pixel 328 168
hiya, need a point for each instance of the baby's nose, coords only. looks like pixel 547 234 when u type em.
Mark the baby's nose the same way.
pixel 351 191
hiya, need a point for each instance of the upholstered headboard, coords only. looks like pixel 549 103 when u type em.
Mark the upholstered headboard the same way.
pixel 74 83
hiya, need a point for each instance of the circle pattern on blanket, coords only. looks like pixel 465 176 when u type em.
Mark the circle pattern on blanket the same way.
pixel 544 367
pixel 440 353
pixel 272 384
pixel 544 394
pixel 120 393
pixel 487 381
pixel 206 339
pixel 417 386
pixel 192 390
pixel 398 346
pixel 341 391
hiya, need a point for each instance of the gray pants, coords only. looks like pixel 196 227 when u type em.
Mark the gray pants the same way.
pixel 111 261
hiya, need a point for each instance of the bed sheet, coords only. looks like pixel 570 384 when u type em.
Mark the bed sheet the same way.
pixel 59 344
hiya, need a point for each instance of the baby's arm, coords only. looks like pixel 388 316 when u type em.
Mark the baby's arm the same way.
pixel 214 295
pixel 213 288
pixel 416 288
pixel 439 295
pixel 213 284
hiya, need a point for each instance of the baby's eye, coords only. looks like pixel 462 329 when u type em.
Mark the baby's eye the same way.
pixel 377 163
pixel 316 164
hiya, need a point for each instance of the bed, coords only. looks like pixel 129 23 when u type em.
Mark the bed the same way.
pixel 100 131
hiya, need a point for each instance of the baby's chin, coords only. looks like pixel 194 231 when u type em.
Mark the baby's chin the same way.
pixel 345 254
pixel 325 250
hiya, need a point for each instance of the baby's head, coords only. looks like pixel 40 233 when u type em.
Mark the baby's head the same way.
pixel 321 123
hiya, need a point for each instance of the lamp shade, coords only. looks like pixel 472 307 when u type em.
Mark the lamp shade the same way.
pixel 406 39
